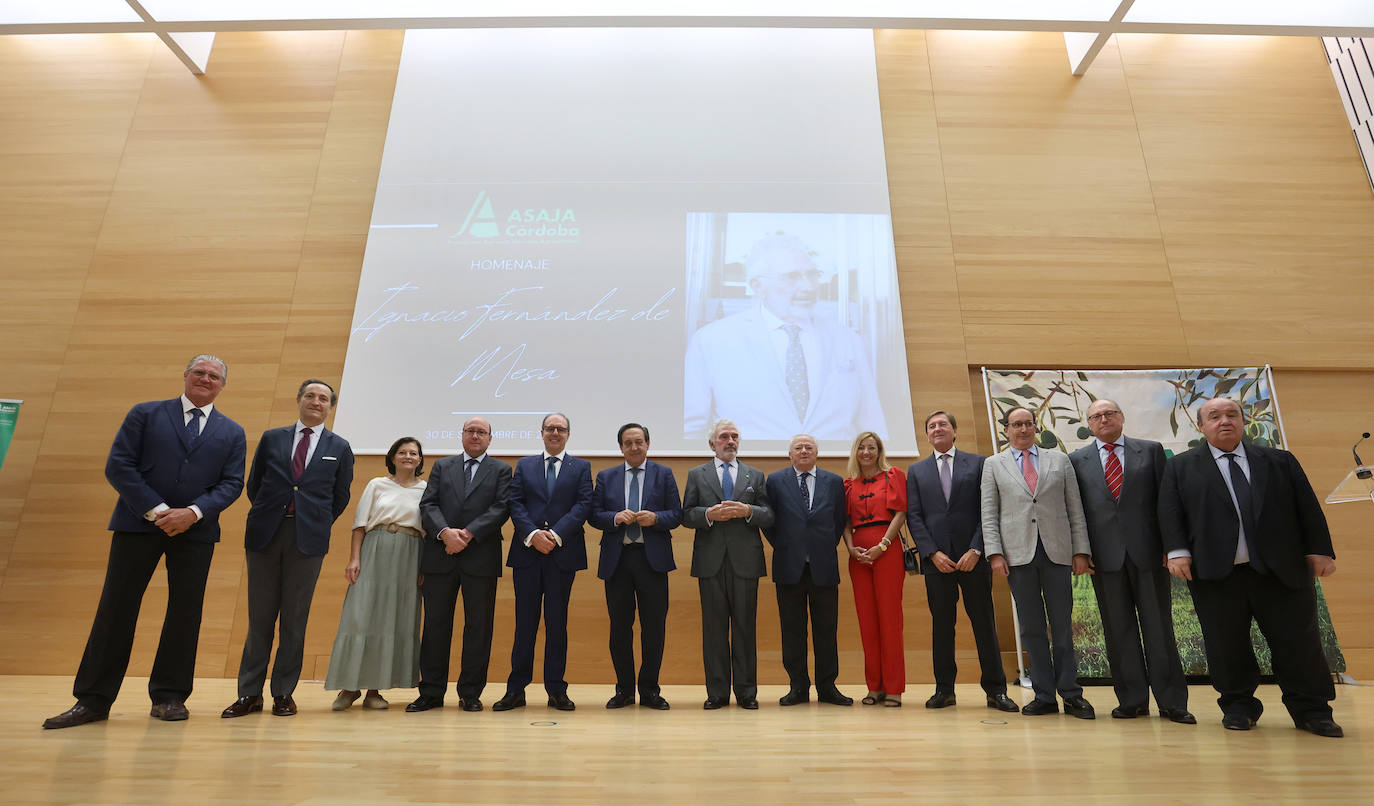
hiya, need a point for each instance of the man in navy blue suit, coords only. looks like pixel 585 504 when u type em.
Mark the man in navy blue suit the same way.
pixel 636 506
pixel 299 485
pixel 808 522
pixel 176 465
pixel 550 499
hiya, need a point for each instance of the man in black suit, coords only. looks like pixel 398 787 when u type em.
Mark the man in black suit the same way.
pixel 299 485
pixel 943 512
pixel 176 465
pixel 636 506
pixel 1242 525
pixel 462 509
pixel 726 503
pixel 808 521
pixel 550 498
pixel 1118 480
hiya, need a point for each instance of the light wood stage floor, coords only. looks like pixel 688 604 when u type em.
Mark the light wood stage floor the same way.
pixel 800 755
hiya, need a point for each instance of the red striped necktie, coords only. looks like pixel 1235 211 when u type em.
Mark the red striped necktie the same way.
pixel 1112 466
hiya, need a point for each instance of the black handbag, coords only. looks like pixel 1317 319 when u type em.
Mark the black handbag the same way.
pixel 911 559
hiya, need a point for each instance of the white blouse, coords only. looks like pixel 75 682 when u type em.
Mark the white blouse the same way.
pixel 384 501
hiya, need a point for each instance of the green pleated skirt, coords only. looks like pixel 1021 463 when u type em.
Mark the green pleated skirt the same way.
pixel 378 645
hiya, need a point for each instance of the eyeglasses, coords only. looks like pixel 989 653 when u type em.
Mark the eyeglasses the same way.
pixel 476 432
pixel 1103 415
pixel 556 429
pixel 1022 424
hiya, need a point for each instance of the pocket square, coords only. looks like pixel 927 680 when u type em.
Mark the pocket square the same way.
pixel 330 458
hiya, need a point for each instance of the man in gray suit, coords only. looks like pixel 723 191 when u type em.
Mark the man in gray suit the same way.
pixel 726 504
pixel 1118 479
pixel 1033 529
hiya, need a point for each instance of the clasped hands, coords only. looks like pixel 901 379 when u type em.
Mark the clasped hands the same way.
pixel 947 566
pixel 455 540
pixel 643 517
pixel 728 510
pixel 175 521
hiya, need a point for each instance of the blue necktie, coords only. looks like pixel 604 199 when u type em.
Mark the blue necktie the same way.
pixel 1244 501
pixel 550 477
pixel 193 425
pixel 472 469
pixel 727 484
pixel 635 532
pixel 806 494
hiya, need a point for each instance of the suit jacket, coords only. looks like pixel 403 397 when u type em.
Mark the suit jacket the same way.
pixel 754 393
pixel 565 513
pixel 321 494
pixel 1196 513
pixel 1128 528
pixel 955 526
pixel 798 535
pixel 657 493
pixel 735 541
pixel 1013 516
pixel 450 501
pixel 150 463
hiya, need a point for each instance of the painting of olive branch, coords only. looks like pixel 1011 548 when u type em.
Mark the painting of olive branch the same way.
pixel 1160 405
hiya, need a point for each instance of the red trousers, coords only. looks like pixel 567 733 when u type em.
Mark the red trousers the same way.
pixel 878 599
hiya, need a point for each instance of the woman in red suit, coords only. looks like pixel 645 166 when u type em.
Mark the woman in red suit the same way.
pixel 875 495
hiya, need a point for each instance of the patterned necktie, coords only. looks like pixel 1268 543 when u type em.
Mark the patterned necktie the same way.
pixel 946 476
pixel 795 371
pixel 471 468
pixel 193 425
pixel 298 459
pixel 1028 470
pixel 550 477
pixel 806 493
pixel 1112 467
pixel 635 532
pixel 727 484
pixel 1244 503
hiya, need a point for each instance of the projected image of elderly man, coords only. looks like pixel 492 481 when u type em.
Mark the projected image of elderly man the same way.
pixel 781 367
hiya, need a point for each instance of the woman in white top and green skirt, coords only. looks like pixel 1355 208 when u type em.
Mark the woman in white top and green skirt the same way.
pixel 378 645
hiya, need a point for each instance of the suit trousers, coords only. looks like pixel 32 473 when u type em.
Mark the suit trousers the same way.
pixel 1043 588
pixel 636 584
pixel 942 595
pixel 1288 620
pixel 133 559
pixel 1141 596
pixel 542 586
pixel 281 585
pixel 729 634
pixel 823 602
pixel 878 600
pixel 440 595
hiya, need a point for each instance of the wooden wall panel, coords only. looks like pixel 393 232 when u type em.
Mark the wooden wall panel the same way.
pixel 1039 220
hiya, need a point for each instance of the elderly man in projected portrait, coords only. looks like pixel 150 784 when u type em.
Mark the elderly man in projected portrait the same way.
pixel 780 369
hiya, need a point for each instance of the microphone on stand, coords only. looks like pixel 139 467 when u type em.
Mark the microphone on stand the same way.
pixel 1361 471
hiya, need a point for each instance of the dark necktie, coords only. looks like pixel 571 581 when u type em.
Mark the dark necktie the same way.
pixel 795 371
pixel 946 476
pixel 1112 467
pixel 471 469
pixel 727 484
pixel 1244 502
pixel 298 459
pixel 635 532
pixel 551 477
pixel 806 494
pixel 193 425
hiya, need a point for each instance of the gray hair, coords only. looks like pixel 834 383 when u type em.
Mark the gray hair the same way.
pixel 768 248
pixel 223 367
pixel 719 424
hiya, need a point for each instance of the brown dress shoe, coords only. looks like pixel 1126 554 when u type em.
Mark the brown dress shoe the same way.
pixel 76 715
pixel 283 706
pixel 169 711
pixel 242 706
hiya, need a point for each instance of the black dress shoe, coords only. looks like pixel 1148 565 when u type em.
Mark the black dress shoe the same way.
pixel 1003 703
pixel 242 706
pixel 469 703
pixel 1039 708
pixel 512 700
pixel 561 702
pixel 1179 715
pixel 655 702
pixel 1079 707
pixel 424 703
pixel 76 715
pixel 714 704
pixel 1130 711
pixel 283 705
pixel 834 697
pixel 750 704
pixel 941 699
pixel 794 698
pixel 1236 720
pixel 1322 726
pixel 172 711
pixel 620 700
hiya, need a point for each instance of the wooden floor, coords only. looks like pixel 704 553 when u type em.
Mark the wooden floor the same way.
pixel 805 754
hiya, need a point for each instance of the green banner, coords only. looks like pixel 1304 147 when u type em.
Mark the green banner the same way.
pixel 1160 404
pixel 9 416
